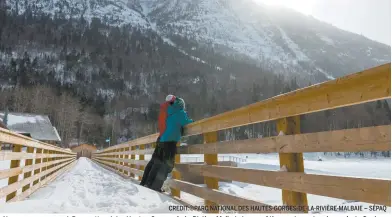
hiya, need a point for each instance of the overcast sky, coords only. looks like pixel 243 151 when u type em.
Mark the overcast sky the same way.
pixel 371 18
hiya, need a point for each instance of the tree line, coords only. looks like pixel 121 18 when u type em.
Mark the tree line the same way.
pixel 99 81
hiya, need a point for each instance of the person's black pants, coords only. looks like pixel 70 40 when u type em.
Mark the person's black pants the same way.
pixel 148 167
pixel 160 165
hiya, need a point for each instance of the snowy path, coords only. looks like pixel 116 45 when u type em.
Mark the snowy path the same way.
pixel 89 188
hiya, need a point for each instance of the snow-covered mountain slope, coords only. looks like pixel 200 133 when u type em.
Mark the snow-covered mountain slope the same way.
pixel 114 12
pixel 279 40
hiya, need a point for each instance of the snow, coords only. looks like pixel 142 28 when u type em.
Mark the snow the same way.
pixel 113 12
pixel 326 39
pixel 88 188
pixel 196 80
pixel 14 118
pixel 235 25
pixel 293 46
pixel 355 167
pixel 108 93
pixel 57 133
pixel 330 77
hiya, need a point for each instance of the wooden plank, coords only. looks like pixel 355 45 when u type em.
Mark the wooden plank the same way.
pixel 118 151
pixel 49 161
pixel 293 162
pixel 112 170
pixel 9 137
pixel 351 140
pixel 22 156
pixel 10 172
pixel 125 160
pixel 374 191
pixel 17 185
pixel 113 156
pixel 144 151
pixel 140 141
pixel 141 157
pixel 369 85
pixel 137 162
pixel 31 190
pixel 120 162
pixel 39 165
pixel 214 195
pixel 44 159
pixel 176 175
pixel 38 162
pixel 133 158
pixel 116 166
pixel 211 159
pixel 28 162
pixel 13 179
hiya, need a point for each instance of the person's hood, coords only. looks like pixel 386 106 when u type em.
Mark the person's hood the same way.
pixel 177 106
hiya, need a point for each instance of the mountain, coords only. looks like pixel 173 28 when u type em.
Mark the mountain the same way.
pixel 282 39
pixel 276 39
pixel 100 68
pixel 113 12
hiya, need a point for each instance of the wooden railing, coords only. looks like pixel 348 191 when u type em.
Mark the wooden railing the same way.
pixel 220 158
pixel 366 86
pixel 42 163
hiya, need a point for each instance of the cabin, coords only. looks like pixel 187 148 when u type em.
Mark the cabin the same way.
pixel 84 150
pixel 36 126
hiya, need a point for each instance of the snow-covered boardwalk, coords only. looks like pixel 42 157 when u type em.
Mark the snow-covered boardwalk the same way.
pixel 89 188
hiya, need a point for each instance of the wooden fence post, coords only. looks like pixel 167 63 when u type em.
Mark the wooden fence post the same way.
pixel 37 161
pixel 121 162
pixel 292 161
pixel 133 158
pixel 113 156
pixel 27 163
pixel 117 161
pixel 13 179
pixel 45 159
pixel 126 157
pixel 176 175
pixel 141 157
pixel 211 159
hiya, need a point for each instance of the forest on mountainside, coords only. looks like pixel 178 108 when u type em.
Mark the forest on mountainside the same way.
pixel 97 81
pixel 122 73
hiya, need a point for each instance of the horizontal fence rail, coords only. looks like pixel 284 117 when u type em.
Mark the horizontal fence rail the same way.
pixel 362 87
pixel 29 165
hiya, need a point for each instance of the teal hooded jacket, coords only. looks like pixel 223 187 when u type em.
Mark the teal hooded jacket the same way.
pixel 176 119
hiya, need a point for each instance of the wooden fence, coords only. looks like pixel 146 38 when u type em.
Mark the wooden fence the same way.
pixel 366 86
pixel 42 163
pixel 220 158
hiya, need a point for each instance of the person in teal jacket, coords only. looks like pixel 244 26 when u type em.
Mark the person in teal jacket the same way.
pixel 176 120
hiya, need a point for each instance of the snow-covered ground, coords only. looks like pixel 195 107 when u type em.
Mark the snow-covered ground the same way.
pixel 89 188
pixel 364 168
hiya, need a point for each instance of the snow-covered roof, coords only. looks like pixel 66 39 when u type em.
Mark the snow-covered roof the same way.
pixel 38 126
